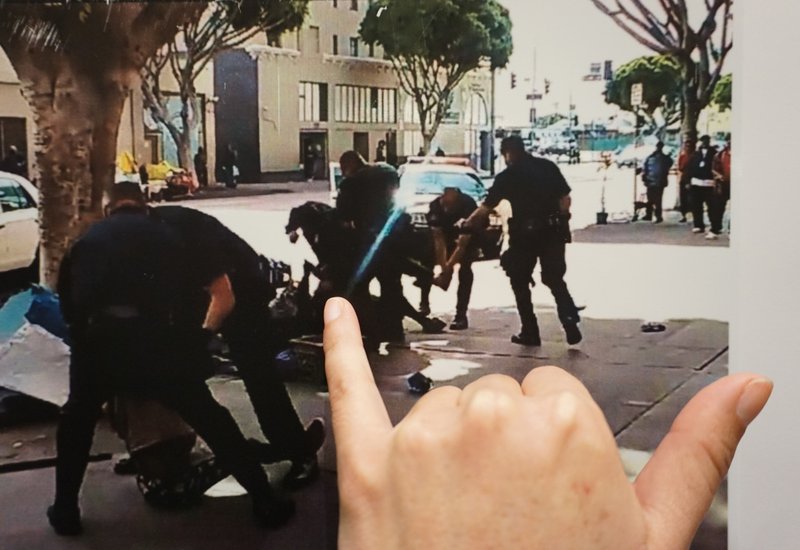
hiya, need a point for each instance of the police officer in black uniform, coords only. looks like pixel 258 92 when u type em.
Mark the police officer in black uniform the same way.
pixel 538 231
pixel 121 294
pixel 230 294
pixel 366 202
pixel 446 217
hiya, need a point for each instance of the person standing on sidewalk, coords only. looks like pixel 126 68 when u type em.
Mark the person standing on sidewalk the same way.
pixel 446 217
pixel 230 294
pixel 703 185
pixel 684 183
pixel 540 200
pixel 722 173
pixel 121 292
pixel 655 175
pixel 201 167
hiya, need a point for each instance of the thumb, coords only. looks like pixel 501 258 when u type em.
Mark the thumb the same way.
pixel 679 482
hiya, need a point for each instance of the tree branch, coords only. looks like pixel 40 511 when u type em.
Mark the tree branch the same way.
pixel 615 16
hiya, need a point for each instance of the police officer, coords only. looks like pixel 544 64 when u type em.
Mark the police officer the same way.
pixel 230 294
pixel 121 294
pixel 366 202
pixel 540 202
pixel 446 216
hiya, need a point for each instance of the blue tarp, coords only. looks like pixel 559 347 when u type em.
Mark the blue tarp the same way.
pixel 45 311
pixel 12 314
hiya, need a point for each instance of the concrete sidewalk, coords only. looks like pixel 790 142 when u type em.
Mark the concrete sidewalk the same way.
pixel 671 232
pixel 640 381
pixel 258 189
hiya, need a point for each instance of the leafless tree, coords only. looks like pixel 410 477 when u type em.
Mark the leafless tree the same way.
pixel 225 25
pixel 665 26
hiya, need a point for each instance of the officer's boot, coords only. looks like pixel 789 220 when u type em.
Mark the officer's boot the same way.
pixel 465 280
pixel 529 335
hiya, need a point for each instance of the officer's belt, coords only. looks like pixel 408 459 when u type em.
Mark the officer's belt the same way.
pixel 120 312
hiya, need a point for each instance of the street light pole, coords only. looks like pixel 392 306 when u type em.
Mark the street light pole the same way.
pixel 493 127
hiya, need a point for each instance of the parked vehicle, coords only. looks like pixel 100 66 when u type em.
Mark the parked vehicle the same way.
pixel 19 223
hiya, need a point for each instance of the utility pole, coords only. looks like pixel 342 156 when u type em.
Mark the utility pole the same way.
pixel 533 94
pixel 492 130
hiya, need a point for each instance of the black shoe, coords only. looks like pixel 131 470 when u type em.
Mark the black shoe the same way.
pixel 65 522
pixel 125 467
pixel 647 218
pixel 433 326
pixel 527 339
pixel 302 474
pixel 425 309
pixel 659 220
pixel 315 435
pixel 574 335
pixel 274 512
pixel 459 323
pixel 305 471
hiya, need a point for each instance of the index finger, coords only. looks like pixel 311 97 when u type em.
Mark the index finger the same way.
pixel 359 415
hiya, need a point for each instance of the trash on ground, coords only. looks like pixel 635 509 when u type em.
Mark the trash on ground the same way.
pixel 653 327
pixel 419 383
pixel 228 487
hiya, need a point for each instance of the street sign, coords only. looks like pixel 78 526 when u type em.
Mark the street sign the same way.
pixel 637 90
pixel 533 116
pixel 534 97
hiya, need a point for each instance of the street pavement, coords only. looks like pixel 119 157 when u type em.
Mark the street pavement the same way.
pixel 639 380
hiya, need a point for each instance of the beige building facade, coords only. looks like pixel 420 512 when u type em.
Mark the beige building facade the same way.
pixel 16 118
pixel 316 93
pixel 322 89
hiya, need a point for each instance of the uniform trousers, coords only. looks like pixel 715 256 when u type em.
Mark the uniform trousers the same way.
pixel 146 360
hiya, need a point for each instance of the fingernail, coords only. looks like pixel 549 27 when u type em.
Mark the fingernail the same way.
pixel 333 309
pixel 753 399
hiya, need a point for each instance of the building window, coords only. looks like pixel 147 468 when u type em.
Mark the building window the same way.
pixel 354 5
pixel 335 45
pixel 274 40
pixel 313 101
pixel 363 105
pixel 335 3
pixel 354 47
pixel 314 33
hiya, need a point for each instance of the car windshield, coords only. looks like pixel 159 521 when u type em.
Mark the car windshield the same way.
pixel 434 183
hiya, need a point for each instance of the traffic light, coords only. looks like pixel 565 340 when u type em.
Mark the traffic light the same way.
pixel 546 86
pixel 513 80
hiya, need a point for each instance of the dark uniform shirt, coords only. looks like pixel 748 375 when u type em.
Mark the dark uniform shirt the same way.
pixel 367 197
pixel 534 187
pixel 124 261
pixel 446 220
pixel 213 250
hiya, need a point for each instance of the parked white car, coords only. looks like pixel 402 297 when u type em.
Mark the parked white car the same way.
pixel 19 222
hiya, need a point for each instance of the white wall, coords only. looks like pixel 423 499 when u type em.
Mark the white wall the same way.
pixel 765 480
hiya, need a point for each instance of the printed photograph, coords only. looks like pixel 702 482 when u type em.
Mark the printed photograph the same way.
pixel 494 185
